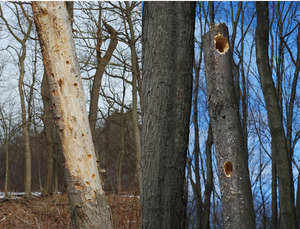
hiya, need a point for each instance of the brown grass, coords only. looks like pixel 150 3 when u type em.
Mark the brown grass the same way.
pixel 54 212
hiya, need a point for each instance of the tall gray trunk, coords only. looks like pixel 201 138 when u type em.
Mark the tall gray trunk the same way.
pixel 285 182
pixel 27 152
pixel 238 211
pixel 168 46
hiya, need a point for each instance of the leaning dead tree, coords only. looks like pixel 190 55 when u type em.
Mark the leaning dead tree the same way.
pixel 88 205
pixel 238 211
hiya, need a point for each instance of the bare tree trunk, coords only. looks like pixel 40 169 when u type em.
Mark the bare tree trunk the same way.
pixel 49 129
pixel 7 174
pixel 168 46
pixel 238 211
pixel 196 151
pixel 274 190
pixel 6 144
pixel 285 183
pixel 122 150
pixel 88 205
pixel 27 173
pixel 135 77
pixel 102 63
pixel 209 179
pixel 298 201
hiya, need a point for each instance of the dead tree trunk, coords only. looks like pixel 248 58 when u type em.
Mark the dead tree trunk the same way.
pixel 88 205
pixel 238 211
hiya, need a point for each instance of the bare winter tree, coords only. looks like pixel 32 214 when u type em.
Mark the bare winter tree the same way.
pixel 281 156
pixel 22 39
pixel 88 205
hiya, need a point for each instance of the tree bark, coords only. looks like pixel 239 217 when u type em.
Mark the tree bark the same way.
pixel 88 205
pixel 209 179
pixel 196 151
pixel 274 190
pixel 238 211
pixel 49 133
pixel 102 62
pixel 298 201
pixel 168 46
pixel 27 173
pixel 285 182
pixel 135 76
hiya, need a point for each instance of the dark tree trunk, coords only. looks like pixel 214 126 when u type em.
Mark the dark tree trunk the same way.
pixel 238 211
pixel 209 179
pixel 274 190
pixel 298 201
pixel 284 173
pixel 168 46
pixel 49 133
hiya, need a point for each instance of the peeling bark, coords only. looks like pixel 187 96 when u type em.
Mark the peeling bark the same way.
pixel 88 205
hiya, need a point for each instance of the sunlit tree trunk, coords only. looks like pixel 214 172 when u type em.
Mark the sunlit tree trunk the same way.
pixel 168 46
pixel 238 211
pixel 283 166
pixel 88 205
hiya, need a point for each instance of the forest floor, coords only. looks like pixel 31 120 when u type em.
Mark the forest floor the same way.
pixel 53 212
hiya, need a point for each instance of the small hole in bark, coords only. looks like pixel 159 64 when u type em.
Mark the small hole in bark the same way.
pixel 78 186
pixel 75 84
pixel 87 183
pixel 228 167
pixel 82 135
pixel 221 44
pixel 60 83
pixel 52 75
pixel 67 62
pixel 53 105
pixel 93 176
pixel 54 92
pixel 89 156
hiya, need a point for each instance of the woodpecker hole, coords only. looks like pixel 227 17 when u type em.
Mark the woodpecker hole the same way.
pixel 221 44
pixel 60 83
pixel 67 62
pixel 228 167
pixel 54 93
pixel 87 183
pixel 53 105
pixel 75 84
pixel 89 156
pixel 93 176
